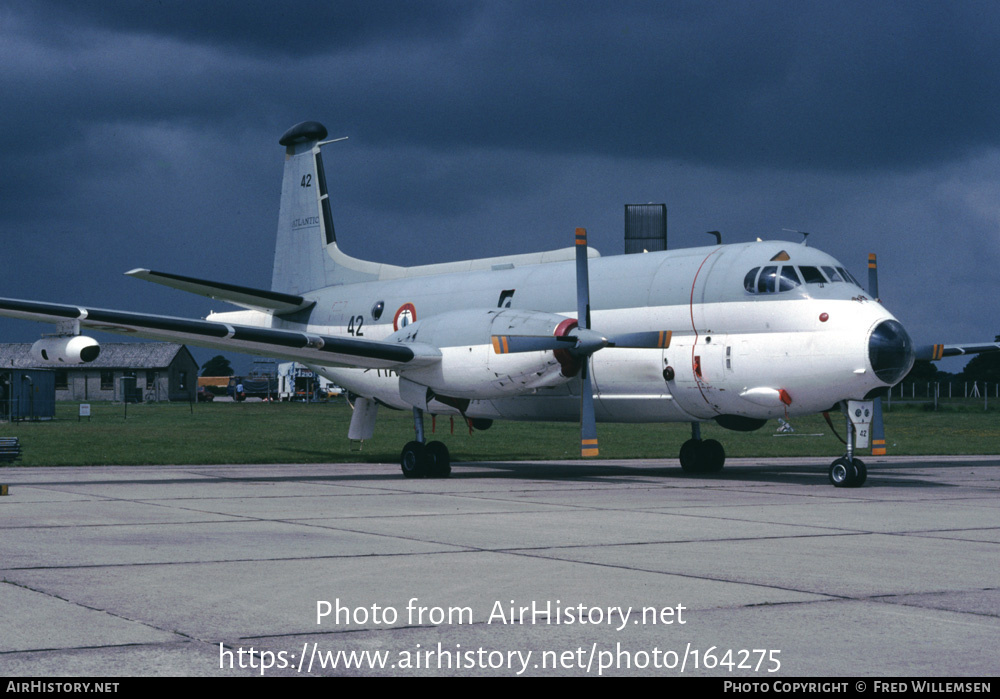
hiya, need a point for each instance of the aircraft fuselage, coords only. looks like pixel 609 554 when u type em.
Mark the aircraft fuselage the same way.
pixel 738 347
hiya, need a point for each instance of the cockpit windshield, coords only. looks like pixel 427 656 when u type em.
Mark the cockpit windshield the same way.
pixel 777 278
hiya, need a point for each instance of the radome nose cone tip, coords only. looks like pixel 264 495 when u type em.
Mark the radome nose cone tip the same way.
pixel 890 351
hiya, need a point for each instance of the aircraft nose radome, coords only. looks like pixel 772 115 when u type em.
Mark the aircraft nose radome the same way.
pixel 890 351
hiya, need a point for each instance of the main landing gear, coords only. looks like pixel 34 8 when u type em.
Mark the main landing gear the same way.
pixel 420 460
pixel 701 456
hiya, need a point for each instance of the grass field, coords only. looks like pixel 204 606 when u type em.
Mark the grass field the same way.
pixel 256 432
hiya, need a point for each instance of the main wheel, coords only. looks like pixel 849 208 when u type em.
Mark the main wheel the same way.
pixel 438 460
pixel 713 456
pixel 690 452
pixel 414 460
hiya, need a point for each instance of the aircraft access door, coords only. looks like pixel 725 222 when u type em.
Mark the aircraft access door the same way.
pixel 701 372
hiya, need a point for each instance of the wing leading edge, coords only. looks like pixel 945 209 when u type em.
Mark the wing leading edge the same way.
pixel 324 350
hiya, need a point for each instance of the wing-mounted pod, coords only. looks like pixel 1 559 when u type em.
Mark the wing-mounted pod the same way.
pixel 66 349
pixel 66 346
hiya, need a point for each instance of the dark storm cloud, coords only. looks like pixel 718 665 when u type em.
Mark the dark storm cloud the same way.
pixel 845 85
pixel 800 85
pixel 295 29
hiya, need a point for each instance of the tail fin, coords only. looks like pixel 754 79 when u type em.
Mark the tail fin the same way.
pixel 306 255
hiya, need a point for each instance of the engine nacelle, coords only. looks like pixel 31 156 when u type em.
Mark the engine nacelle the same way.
pixel 469 366
pixel 66 349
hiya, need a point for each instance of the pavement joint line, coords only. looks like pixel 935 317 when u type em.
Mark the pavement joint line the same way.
pixel 456 549
pixel 885 610
pixel 81 605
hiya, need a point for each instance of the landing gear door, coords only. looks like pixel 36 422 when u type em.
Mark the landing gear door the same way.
pixel 860 413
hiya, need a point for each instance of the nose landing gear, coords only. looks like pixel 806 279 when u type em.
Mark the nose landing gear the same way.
pixel 848 472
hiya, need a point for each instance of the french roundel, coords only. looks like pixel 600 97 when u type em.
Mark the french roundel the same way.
pixel 404 316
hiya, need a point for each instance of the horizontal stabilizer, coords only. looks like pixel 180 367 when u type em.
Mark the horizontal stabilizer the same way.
pixel 246 297
pixel 308 348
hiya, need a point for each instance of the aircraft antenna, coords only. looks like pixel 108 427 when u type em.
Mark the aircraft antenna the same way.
pixel 718 236
pixel 804 234
pixel 333 140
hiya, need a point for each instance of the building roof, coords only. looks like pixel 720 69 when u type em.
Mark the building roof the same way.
pixel 114 355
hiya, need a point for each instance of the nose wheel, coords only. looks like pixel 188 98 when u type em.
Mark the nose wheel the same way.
pixel 848 472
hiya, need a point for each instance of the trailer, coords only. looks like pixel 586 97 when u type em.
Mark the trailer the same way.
pixel 298 382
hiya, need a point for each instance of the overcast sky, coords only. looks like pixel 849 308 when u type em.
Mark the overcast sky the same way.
pixel 144 134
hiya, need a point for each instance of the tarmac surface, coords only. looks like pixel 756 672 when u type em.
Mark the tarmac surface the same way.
pixel 613 568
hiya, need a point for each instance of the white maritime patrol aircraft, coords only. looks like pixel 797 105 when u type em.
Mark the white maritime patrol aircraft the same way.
pixel 738 334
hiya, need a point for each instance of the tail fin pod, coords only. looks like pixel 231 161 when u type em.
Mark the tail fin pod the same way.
pixel 306 255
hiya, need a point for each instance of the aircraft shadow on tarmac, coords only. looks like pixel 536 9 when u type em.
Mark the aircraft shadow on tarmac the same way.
pixel 900 474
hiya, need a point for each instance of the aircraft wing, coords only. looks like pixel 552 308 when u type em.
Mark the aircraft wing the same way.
pixel 933 353
pixel 324 350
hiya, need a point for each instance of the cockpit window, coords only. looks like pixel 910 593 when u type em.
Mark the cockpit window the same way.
pixel 812 275
pixel 833 274
pixel 765 283
pixel 774 278
pixel 789 279
pixel 847 275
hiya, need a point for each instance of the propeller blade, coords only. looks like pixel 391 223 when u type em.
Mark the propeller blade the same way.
pixel 588 421
pixel 654 339
pixel 873 275
pixel 580 342
pixel 878 428
pixel 582 280
pixel 508 344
